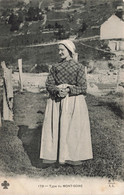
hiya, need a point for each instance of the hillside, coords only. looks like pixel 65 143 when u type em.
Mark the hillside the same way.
pixel 21 153
pixel 77 13
pixel 82 19
pixel 35 42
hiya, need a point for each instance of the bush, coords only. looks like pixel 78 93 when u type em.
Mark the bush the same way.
pixel 15 26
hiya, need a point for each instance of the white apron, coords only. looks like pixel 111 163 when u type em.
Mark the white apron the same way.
pixel 66 130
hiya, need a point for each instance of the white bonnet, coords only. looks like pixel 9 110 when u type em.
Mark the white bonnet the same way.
pixel 69 45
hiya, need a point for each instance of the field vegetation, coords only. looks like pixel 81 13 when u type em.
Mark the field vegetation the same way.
pixel 23 138
pixel 83 22
pixel 48 55
pixel 20 140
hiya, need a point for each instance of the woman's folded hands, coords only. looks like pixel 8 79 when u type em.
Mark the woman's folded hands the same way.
pixel 62 92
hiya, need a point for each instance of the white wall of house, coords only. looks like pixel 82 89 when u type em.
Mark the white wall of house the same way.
pixel 122 45
pixel 113 28
pixel 116 45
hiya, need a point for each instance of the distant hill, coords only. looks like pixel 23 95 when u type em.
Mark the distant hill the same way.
pixel 45 3
pixel 82 18
pixel 8 3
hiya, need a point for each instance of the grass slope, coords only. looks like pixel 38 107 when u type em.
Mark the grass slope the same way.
pixel 106 130
pixel 44 55
pixel 93 14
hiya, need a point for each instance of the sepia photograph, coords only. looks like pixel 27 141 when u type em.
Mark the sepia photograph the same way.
pixel 61 97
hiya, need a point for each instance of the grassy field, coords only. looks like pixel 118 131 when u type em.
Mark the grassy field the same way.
pixel 30 56
pixel 20 140
pixel 106 130
pixel 93 15
pixel 44 55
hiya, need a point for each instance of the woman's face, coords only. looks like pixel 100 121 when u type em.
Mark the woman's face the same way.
pixel 63 52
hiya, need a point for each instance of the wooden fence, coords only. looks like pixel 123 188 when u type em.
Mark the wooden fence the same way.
pixel 25 81
pixel 7 94
pixel 33 82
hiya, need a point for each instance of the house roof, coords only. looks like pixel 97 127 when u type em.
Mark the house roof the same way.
pixel 115 18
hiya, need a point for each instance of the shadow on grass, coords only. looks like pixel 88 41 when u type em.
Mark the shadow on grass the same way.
pixel 115 107
pixel 31 143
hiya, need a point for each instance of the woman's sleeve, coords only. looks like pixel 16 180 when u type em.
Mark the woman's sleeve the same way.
pixel 50 83
pixel 81 86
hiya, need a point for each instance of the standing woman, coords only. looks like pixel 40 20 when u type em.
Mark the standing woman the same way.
pixel 66 134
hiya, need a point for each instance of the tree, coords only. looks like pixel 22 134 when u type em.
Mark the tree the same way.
pixel 49 26
pixel 12 19
pixel 15 26
pixel 31 14
pixel 56 25
pixel 34 14
pixel 15 23
pixel 83 27
pixel 61 34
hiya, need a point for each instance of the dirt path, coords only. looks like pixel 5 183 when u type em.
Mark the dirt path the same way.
pixel 53 43
pixel 56 42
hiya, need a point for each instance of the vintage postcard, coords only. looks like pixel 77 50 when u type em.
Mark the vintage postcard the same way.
pixel 61 97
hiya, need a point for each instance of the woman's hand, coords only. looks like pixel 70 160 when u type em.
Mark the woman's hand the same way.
pixel 63 92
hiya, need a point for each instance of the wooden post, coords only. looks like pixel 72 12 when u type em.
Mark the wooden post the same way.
pixel 0 120
pixel 20 74
pixel 86 79
pixel 118 74
pixel 7 93
pixel 86 73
